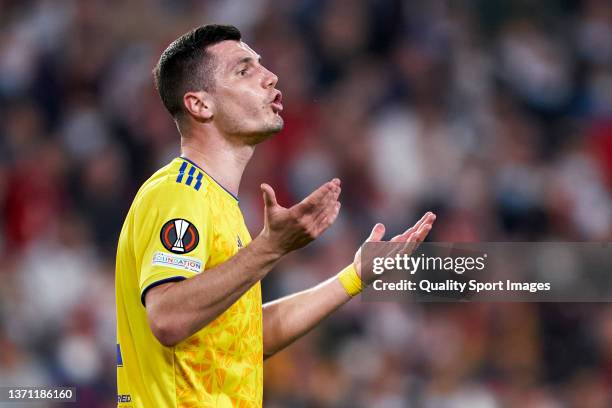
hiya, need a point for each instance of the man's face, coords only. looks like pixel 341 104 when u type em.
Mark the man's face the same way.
pixel 246 103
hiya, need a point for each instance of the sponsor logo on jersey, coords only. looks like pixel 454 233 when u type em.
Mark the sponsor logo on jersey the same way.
pixel 177 262
pixel 179 236
pixel 124 398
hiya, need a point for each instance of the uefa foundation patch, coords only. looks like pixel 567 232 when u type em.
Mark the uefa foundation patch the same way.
pixel 179 236
pixel 177 262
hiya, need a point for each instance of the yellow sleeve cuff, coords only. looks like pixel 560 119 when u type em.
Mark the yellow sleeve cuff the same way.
pixel 350 280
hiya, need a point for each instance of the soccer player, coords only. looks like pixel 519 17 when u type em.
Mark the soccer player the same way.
pixel 191 327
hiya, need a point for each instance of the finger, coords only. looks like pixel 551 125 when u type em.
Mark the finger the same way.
pixel 328 201
pixel 332 196
pixel 418 237
pixel 328 206
pixel 378 232
pixel 329 219
pixel 404 235
pixel 325 212
pixel 318 210
pixel 422 232
pixel 269 196
pixel 429 217
pixel 414 239
pixel 310 203
pixel 316 216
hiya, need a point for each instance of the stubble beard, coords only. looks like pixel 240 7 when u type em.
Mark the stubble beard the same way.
pixel 267 131
pixel 238 131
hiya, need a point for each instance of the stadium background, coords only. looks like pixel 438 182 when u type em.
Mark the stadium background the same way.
pixel 497 115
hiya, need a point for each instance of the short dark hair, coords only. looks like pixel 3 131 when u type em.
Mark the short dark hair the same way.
pixel 187 66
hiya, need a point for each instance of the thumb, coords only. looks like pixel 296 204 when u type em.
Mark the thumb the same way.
pixel 378 232
pixel 269 196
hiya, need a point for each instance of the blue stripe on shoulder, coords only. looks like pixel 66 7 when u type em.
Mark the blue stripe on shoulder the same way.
pixel 179 179
pixel 198 183
pixel 190 176
pixel 191 173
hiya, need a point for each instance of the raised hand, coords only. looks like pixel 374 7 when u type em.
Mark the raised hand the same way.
pixel 411 238
pixel 287 229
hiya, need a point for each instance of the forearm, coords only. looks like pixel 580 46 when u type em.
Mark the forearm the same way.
pixel 289 318
pixel 187 306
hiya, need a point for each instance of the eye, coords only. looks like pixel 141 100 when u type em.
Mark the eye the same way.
pixel 242 72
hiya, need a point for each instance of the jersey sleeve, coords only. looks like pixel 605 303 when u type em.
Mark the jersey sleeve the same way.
pixel 172 235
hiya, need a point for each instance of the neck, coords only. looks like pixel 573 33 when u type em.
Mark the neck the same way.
pixel 222 160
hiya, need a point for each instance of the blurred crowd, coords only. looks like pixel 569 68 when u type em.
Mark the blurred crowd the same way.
pixel 496 115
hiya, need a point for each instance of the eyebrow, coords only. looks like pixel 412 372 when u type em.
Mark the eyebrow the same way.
pixel 246 60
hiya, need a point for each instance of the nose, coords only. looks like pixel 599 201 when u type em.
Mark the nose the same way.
pixel 270 79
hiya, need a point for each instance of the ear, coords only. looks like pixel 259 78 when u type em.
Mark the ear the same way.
pixel 199 105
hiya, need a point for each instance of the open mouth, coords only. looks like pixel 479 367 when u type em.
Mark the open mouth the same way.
pixel 277 105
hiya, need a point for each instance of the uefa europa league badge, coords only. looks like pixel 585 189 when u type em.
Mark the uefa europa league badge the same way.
pixel 179 236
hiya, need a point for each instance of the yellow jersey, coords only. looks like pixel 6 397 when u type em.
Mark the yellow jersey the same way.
pixel 181 224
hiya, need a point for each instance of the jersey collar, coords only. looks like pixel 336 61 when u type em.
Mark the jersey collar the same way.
pixel 211 177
